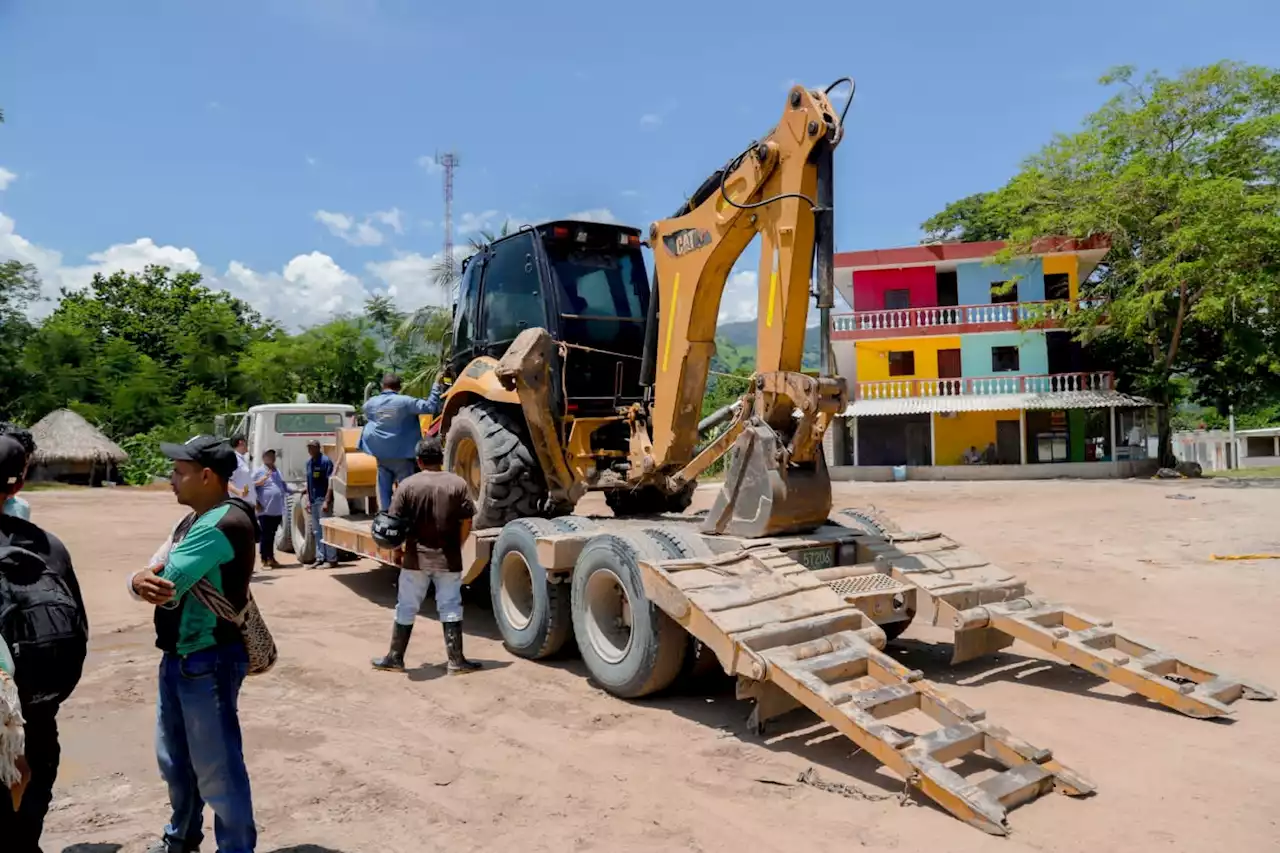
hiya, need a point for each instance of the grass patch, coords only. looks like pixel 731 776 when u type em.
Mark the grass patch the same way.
pixel 47 486
pixel 1269 473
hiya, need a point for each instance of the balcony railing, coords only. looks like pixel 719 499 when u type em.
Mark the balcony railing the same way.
pixel 1041 384
pixel 954 318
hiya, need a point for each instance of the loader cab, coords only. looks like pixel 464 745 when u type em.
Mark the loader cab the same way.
pixel 585 283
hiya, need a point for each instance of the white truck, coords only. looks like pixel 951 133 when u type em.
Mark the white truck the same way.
pixel 286 428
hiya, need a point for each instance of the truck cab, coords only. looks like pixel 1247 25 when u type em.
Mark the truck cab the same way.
pixel 286 428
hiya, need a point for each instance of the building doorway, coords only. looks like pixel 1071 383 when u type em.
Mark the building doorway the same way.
pixel 1008 442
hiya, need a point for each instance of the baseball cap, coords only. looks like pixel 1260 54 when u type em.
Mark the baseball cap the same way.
pixel 207 451
pixel 13 462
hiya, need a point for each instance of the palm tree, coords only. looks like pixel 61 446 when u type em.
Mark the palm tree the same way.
pixel 428 330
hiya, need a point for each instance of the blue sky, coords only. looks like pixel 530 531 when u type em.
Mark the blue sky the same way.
pixel 277 145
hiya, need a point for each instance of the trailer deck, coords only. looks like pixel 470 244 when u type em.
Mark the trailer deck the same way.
pixel 802 622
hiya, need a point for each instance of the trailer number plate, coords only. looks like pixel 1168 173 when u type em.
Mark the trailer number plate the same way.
pixel 823 557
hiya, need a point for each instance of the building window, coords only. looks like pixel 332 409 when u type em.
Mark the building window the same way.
pixel 1057 286
pixel 948 287
pixel 902 363
pixel 1004 359
pixel 1001 296
pixel 897 300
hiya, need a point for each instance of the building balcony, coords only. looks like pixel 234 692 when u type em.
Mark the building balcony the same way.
pixel 954 319
pixel 985 385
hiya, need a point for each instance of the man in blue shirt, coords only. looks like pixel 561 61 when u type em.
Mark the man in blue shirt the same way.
pixel 320 499
pixel 391 434
pixel 271 499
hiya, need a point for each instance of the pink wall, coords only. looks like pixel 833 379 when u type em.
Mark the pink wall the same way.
pixel 869 287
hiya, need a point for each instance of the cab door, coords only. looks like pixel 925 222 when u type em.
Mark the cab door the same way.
pixel 511 295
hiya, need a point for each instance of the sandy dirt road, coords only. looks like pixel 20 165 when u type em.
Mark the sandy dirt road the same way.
pixel 531 757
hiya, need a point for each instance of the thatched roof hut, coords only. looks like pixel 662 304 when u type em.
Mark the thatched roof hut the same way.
pixel 70 448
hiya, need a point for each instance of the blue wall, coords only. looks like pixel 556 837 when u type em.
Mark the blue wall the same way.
pixel 975 352
pixel 974 280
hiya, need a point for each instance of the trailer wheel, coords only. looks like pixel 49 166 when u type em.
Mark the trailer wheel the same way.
pixel 488 448
pixel 284 533
pixel 682 543
pixel 531 610
pixel 630 647
pixel 648 500
pixel 304 539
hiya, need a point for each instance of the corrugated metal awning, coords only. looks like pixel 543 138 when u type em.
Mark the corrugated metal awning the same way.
pixel 993 403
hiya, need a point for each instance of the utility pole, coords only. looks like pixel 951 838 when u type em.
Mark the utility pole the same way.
pixel 448 161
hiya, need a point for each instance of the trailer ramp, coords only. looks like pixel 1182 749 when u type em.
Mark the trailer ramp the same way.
pixel 794 640
pixel 988 609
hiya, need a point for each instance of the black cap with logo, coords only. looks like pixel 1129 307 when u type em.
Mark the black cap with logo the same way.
pixel 206 451
pixel 13 463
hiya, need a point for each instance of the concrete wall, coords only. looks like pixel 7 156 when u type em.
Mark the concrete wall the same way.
pixel 974 280
pixel 975 352
pixel 1068 264
pixel 873 356
pixel 1051 471
pixel 869 287
pixel 952 436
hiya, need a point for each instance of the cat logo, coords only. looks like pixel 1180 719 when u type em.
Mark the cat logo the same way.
pixel 686 240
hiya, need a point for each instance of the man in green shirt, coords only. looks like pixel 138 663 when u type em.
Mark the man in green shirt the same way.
pixel 204 663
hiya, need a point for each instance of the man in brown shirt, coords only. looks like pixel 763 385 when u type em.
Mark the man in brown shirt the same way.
pixel 437 508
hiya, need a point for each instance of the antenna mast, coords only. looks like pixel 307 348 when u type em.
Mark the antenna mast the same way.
pixel 448 161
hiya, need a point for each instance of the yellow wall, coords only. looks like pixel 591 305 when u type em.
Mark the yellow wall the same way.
pixel 953 436
pixel 873 356
pixel 1068 264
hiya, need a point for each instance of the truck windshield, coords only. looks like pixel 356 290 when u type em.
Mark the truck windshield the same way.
pixel 604 296
pixel 291 423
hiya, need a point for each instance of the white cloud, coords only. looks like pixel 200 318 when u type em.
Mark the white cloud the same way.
pixel 595 214
pixel 426 161
pixel 407 279
pixel 740 299
pixel 309 289
pixel 346 227
pixel 649 121
pixel 470 223
pixel 312 161
pixel 6 178
pixel 390 218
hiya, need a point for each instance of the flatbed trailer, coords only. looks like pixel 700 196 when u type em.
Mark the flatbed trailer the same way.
pixel 802 621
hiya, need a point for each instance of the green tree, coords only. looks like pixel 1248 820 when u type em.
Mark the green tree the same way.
pixel 972 219
pixel 1182 175
pixel 19 288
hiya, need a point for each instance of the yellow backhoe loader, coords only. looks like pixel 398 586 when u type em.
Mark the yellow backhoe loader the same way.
pixel 575 373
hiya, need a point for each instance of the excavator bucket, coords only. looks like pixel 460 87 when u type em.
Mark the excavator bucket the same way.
pixel 761 496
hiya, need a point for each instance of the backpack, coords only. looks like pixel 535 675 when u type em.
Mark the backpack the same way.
pixel 42 624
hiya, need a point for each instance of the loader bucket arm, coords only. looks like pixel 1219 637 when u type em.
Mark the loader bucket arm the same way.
pixel 779 189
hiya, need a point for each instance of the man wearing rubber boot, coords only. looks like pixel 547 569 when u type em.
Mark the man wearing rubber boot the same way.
pixel 437 509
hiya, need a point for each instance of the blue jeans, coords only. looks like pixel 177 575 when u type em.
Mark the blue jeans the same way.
pixel 391 471
pixel 324 553
pixel 200 751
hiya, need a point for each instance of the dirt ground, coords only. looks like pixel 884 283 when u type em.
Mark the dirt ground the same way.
pixel 530 756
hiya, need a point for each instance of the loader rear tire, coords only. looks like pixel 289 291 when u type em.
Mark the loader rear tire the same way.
pixel 648 500
pixel 488 448
pixel 531 609
pixel 630 647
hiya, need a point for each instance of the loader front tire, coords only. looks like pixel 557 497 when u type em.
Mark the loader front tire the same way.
pixel 630 647
pixel 487 446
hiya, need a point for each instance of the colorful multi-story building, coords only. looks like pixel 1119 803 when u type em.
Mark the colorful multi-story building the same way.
pixel 955 362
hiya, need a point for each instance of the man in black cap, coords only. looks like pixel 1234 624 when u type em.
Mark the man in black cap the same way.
pixel 43 622
pixel 198 734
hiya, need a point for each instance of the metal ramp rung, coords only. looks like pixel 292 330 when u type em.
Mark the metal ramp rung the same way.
pixel 1097 647
pixel 856 688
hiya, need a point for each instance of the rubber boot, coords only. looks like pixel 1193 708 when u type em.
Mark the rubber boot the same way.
pixel 458 664
pixel 394 659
